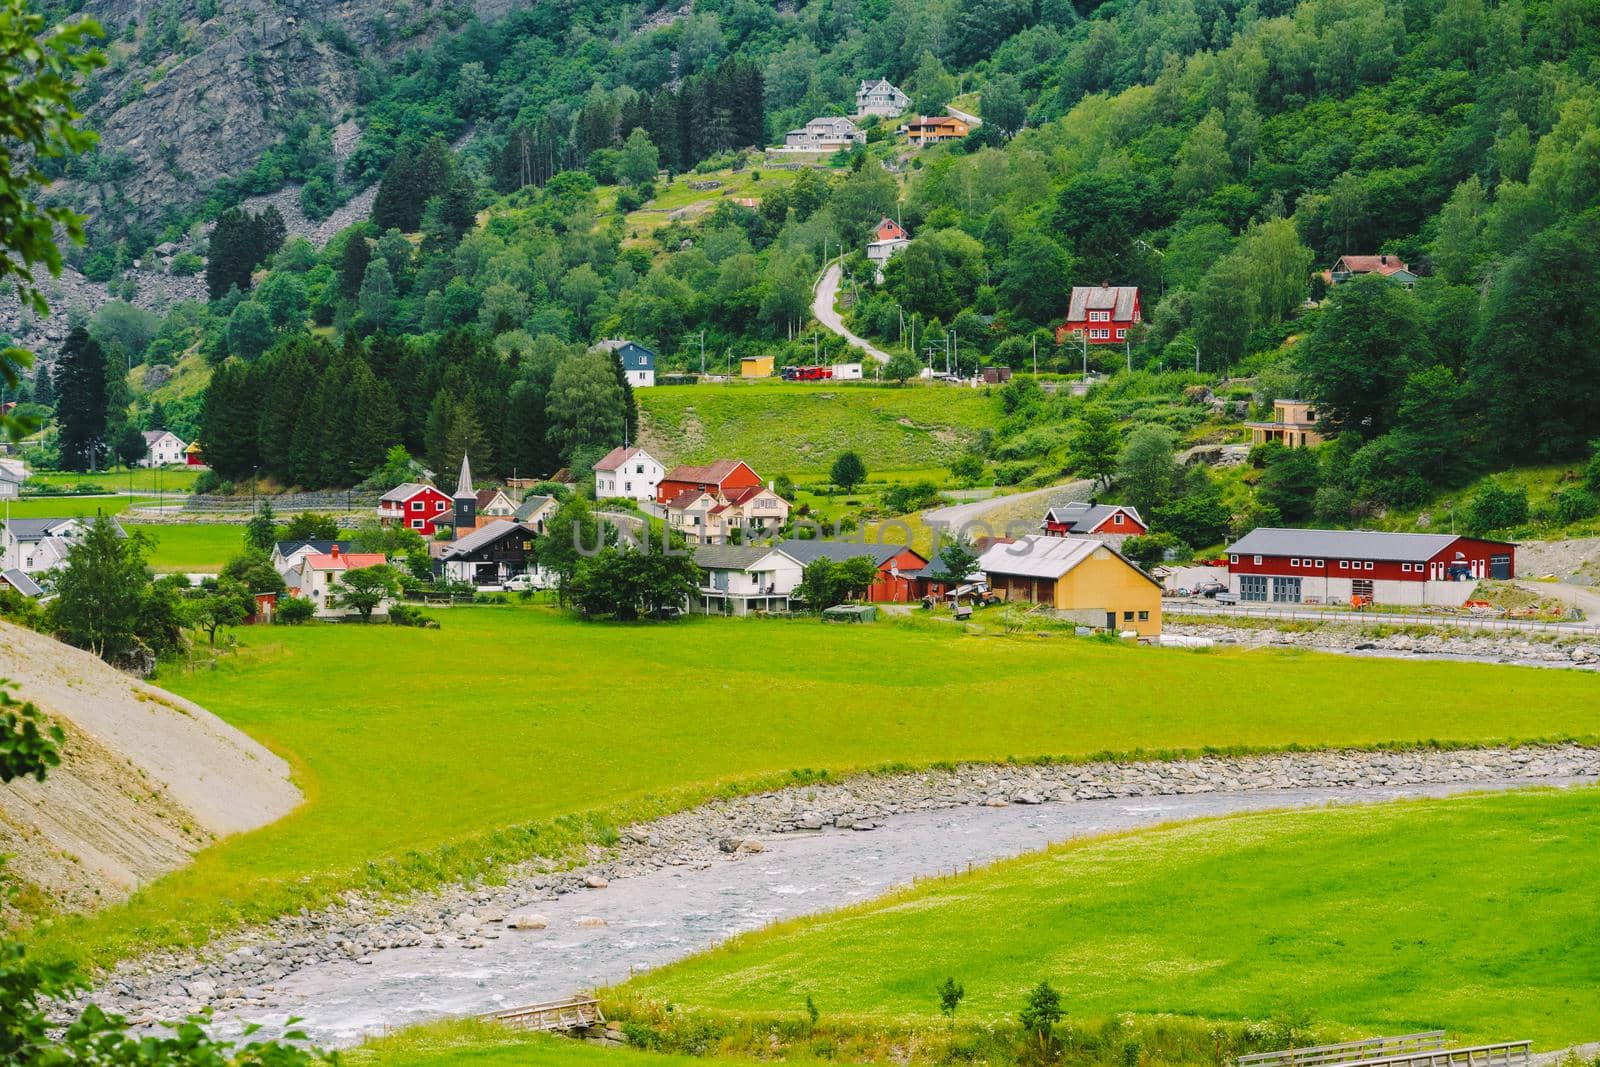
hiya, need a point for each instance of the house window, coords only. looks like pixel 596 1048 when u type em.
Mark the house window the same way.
pixel 1233 559
pixel 1127 616
pixel 416 524
pixel 1344 564
pixel 1320 564
pixel 416 505
pixel 1258 560
pixel 1144 616
pixel 1367 566
pixel 1116 520
pixel 1121 333
pixel 1294 561
pixel 1405 568
pixel 1286 590
pixel 1253 587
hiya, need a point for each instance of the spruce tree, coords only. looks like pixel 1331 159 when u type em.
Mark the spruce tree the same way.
pixel 81 401
pixel 630 406
pixel 353 265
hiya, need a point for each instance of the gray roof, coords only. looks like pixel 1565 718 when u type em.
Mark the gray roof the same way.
pixel 1118 299
pixel 1037 556
pixel 289 548
pixel 20 582
pixel 1085 517
pixel 806 552
pixel 406 490
pixel 1345 544
pixel 734 557
pixel 39 529
pixel 464 490
pixel 486 534
pixel 530 507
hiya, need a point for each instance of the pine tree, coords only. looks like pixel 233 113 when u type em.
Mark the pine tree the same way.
pixel 228 422
pixel 630 406
pixel 353 265
pixel 80 386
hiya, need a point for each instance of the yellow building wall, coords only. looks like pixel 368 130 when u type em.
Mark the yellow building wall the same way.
pixel 1106 582
pixel 756 367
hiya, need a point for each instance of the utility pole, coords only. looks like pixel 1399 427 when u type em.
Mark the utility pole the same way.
pixel 1084 337
pixel 1035 355
pixel 702 353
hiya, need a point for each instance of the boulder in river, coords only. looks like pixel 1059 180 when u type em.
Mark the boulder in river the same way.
pixel 528 922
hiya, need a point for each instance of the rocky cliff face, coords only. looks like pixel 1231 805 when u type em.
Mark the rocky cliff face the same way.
pixel 208 109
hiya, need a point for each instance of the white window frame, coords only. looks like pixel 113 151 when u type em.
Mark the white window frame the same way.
pixel 1321 564
pixel 417 524
pixel 416 505
pixel 1258 561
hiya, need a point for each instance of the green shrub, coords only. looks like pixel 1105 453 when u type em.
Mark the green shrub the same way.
pixel 294 610
pixel 406 615
pixel 1574 505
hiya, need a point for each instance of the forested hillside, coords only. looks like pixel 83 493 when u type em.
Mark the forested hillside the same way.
pixel 1216 154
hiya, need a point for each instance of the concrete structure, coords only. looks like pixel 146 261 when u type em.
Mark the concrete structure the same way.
pixel 741 579
pixel 1101 314
pixel 1272 566
pixel 627 474
pixel 1112 523
pixel 825 134
pixel 638 362
pixel 1294 423
pixel 163 448
pixel 926 130
pixel 1078 578
pixel 900 569
pixel 756 367
pixel 881 99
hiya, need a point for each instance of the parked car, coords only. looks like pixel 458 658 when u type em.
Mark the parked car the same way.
pixel 1210 589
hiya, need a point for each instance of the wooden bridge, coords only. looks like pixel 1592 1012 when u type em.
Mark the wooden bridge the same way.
pixel 1426 1049
pixel 552 1016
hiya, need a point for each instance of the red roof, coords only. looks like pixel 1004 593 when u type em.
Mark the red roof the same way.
pixel 615 458
pixel 1384 265
pixel 345 561
pixel 684 499
pixel 710 474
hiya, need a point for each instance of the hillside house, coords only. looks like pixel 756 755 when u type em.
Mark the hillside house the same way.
pixel 741 579
pixel 287 555
pixel 319 574
pixel 1112 523
pixel 416 506
pixel 13 475
pixel 163 448
pixel 495 504
pixel 627 474
pixel 638 362
pixel 900 568
pixel 824 134
pixel 723 476
pixel 706 517
pixel 1101 314
pixel 926 130
pixel 1385 266
pixel 1273 566
pixel 1082 579
pixel 535 511
pixel 497 550
pixel 1294 424
pixel 881 99
pixel 34 546
pixel 888 237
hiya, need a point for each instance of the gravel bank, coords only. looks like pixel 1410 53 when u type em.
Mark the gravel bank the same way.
pixel 1510 647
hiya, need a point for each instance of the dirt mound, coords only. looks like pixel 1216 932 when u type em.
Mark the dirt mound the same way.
pixel 146 779
pixel 1576 561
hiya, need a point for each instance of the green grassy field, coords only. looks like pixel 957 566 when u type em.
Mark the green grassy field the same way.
pixel 784 427
pixel 143 480
pixel 66 506
pixel 1473 914
pixel 194 548
pixel 429 755
pixel 482 1045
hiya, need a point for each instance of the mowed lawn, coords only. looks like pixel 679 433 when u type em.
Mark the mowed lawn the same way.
pixel 797 427
pixel 477 1044
pixel 1480 915
pixel 62 507
pixel 407 741
pixel 195 548
pixel 141 480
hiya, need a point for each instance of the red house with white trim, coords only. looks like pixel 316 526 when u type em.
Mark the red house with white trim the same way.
pixel 1078 519
pixel 1101 314
pixel 721 478
pixel 900 579
pixel 1271 566
pixel 417 506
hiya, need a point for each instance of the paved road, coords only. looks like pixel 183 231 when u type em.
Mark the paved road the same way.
pixel 822 306
pixel 1363 618
pixel 971 120
pixel 956 516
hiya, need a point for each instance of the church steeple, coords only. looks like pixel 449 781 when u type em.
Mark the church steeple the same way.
pixel 466 499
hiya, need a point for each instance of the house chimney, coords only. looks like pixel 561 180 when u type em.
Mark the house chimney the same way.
pixel 335 552
pixel 1383 260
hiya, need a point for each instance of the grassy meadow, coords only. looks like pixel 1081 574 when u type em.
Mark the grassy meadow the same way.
pixel 799 427
pixel 140 480
pixel 428 755
pixel 192 548
pixel 61 507
pixel 1473 914
pixel 477 1044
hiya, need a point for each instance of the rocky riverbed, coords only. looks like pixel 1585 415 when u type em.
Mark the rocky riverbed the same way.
pixel 686 881
pixel 1508 647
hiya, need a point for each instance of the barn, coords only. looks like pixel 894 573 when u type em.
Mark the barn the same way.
pixel 1274 566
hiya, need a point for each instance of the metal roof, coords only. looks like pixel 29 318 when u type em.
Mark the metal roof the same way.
pixel 39 529
pixel 806 552
pixel 486 534
pixel 531 507
pixel 1346 544
pixel 20 582
pixel 1117 298
pixel 1037 557
pixel 734 557
pixel 1085 517
pixel 406 490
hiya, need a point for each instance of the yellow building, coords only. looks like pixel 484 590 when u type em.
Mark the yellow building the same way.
pixel 1080 578
pixel 1294 422
pixel 755 367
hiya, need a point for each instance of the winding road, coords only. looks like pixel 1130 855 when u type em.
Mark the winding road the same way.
pixel 824 295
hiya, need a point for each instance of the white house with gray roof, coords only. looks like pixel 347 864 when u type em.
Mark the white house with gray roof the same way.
pixel 825 134
pixel 34 546
pixel 13 473
pixel 740 579
pixel 881 99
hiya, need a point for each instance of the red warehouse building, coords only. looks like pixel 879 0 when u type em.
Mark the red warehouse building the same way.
pixel 724 477
pixel 1101 314
pixel 1336 566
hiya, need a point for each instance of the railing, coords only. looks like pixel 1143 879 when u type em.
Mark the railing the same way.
pixel 1346 1051
pixel 1501 1054
pixel 572 1013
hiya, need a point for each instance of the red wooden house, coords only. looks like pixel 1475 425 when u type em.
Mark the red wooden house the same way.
pixel 900 570
pixel 889 230
pixel 1101 314
pixel 418 507
pixel 723 477
pixel 1078 519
